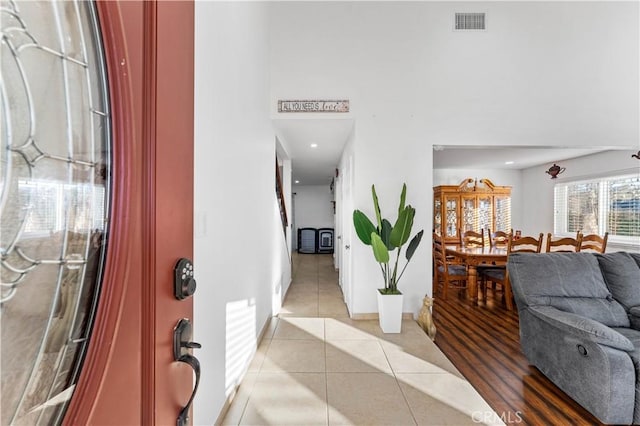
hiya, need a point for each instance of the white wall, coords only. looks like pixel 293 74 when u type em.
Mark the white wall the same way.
pixel 538 204
pixel 543 74
pixel 240 253
pixel 313 207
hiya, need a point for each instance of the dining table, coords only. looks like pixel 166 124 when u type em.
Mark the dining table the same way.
pixel 474 256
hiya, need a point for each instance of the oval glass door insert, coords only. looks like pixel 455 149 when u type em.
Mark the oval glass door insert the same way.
pixel 54 171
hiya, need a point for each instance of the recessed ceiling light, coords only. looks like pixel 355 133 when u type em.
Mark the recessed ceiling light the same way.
pixel 297 181
pixel 314 145
pixel 508 162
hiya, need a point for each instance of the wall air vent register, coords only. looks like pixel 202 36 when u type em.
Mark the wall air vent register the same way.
pixel 470 22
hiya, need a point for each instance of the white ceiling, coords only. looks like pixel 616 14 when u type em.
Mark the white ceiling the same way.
pixel 495 157
pixel 313 166
pixel 316 166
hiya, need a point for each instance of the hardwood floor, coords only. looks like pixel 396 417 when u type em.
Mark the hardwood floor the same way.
pixel 484 344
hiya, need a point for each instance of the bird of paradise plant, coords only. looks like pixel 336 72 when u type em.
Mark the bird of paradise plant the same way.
pixel 385 237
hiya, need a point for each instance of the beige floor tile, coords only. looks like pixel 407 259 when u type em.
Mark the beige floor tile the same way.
pixel 366 399
pixel 258 358
pixel 295 372
pixel 330 288
pixel 328 279
pixel 332 308
pixel 346 329
pixel 297 356
pixel 356 356
pixel 444 399
pixel 300 328
pixel 324 297
pixel 421 356
pixel 333 311
pixel 299 308
pixel 287 399
pixel 300 313
pixel 301 299
pixel 297 293
pixel 239 401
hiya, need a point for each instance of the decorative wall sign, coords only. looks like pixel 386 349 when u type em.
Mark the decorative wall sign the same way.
pixel 313 106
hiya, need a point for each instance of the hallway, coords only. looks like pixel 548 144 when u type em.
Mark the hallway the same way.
pixel 315 366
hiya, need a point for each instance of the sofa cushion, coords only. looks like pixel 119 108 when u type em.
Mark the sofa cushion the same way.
pixel 622 275
pixel 570 282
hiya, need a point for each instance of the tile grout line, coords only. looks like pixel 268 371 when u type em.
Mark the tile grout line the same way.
pixel 393 371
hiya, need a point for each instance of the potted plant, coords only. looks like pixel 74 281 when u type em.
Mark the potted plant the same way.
pixel 385 238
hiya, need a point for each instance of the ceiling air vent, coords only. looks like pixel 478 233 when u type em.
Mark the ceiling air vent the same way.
pixel 470 21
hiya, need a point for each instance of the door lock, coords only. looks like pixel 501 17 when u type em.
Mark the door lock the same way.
pixel 183 281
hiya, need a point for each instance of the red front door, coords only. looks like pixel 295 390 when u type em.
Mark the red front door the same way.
pixel 129 374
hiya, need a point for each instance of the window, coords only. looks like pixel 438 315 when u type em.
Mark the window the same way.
pixel 595 206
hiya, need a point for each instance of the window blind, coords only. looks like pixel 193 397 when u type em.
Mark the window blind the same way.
pixel 595 206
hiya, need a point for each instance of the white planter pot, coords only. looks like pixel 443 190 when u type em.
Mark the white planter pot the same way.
pixel 390 312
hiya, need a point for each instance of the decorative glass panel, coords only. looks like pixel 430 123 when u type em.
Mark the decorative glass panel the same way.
pixel 485 213
pixel 503 214
pixel 54 168
pixel 437 216
pixel 469 214
pixel 452 217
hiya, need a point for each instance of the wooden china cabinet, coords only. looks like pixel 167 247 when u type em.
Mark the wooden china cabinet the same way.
pixel 472 205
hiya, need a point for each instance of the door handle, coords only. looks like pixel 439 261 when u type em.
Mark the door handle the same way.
pixel 181 345
pixel 347 246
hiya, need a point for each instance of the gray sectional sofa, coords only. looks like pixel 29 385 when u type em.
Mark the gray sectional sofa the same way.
pixel 580 325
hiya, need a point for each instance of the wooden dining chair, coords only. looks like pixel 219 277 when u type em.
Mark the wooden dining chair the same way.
pixel 526 244
pixel 496 239
pixel 499 238
pixel 563 244
pixel 472 238
pixel 593 242
pixel 449 274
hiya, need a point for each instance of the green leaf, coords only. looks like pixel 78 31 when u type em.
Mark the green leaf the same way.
pixel 402 229
pixel 376 206
pixel 386 233
pixel 363 226
pixel 403 197
pixel 413 245
pixel 380 251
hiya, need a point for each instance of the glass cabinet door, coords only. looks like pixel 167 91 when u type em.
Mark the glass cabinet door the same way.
pixel 437 216
pixel 485 213
pixel 503 213
pixel 451 216
pixel 468 214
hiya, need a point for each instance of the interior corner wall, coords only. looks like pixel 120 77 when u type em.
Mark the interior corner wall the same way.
pixel 240 253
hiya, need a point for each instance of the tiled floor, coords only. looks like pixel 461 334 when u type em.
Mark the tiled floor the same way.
pixel 315 366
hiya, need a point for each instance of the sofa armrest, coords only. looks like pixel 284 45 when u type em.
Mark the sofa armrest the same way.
pixel 582 327
pixel 634 317
pixel 589 361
